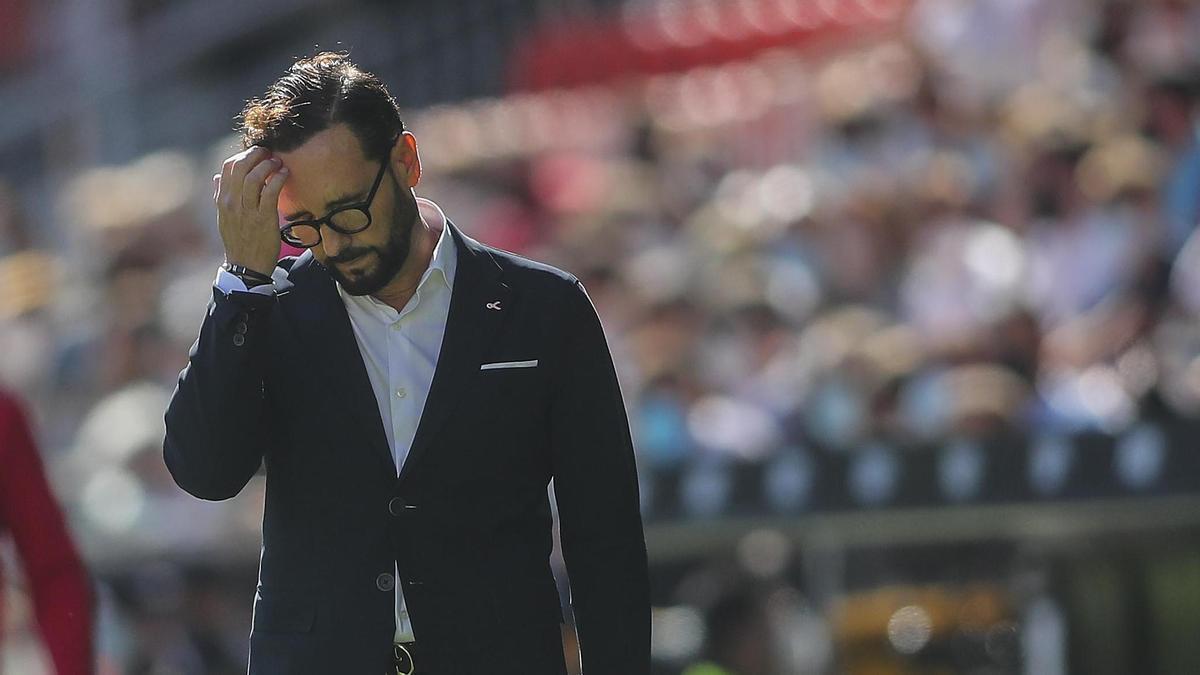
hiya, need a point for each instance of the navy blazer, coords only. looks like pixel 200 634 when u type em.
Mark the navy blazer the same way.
pixel 279 381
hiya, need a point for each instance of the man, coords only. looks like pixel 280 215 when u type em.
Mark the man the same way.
pixel 411 393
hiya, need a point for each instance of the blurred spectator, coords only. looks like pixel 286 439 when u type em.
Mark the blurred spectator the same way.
pixel 1172 119
pixel 60 587
pixel 738 637
pixel 14 234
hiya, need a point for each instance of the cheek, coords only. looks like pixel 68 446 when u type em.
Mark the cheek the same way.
pixel 374 237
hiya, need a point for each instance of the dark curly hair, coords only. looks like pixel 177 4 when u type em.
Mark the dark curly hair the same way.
pixel 319 92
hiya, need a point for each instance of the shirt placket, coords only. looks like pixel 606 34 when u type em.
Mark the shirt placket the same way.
pixel 400 385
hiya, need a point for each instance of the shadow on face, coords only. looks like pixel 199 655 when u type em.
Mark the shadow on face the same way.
pixel 331 170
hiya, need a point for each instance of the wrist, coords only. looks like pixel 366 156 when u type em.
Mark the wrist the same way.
pixel 252 266
pixel 250 277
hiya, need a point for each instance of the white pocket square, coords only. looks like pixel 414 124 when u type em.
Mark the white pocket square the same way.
pixel 509 364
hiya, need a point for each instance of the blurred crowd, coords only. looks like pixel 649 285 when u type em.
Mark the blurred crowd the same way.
pixel 981 221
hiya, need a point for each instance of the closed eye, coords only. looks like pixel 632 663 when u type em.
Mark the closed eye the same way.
pixel 339 204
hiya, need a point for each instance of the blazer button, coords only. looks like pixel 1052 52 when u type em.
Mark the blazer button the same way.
pixel 397 506
pixel 239 339
pixel 385 581
pixel 241 327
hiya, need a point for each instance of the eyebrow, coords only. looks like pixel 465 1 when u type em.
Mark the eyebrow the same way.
pixel 329 206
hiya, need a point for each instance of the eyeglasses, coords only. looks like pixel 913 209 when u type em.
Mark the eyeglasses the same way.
pixel 348 219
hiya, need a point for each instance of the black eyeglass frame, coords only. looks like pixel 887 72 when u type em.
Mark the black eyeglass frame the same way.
pixel 327 219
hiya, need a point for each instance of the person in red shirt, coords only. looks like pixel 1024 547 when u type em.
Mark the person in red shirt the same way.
pixel 63 599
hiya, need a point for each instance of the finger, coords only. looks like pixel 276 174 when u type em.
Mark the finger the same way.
pixel 252 185
pixel 270 193
pixel 224 184
pixel 245 161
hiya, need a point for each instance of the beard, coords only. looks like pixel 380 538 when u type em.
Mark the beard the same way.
pixel 389 258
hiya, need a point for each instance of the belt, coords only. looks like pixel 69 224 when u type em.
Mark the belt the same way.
pixel 402 658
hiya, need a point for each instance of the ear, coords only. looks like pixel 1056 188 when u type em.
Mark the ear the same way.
pixel 407 159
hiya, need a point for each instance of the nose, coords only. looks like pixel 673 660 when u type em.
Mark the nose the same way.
pixel 333 241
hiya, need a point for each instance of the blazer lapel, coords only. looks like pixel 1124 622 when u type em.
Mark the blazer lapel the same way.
pixel 470 326
pixel 324 330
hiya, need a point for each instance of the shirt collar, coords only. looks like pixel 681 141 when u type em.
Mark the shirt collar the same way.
pixel 445 258
pixel 443 261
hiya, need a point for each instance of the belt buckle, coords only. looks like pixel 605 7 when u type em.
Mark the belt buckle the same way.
pixel 402 656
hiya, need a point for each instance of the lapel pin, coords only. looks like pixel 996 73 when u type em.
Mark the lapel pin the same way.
pixel 494 305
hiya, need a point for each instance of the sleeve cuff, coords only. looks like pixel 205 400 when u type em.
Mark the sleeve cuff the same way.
pixel 228 283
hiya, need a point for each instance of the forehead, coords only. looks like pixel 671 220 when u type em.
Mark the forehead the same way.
pixel 327 166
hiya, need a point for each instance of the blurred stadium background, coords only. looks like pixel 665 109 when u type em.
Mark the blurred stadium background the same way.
pixel 903 294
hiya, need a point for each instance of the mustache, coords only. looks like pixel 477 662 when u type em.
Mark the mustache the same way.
pixel 350 255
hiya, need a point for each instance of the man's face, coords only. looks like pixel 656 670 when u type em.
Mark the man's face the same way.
pixel 330 170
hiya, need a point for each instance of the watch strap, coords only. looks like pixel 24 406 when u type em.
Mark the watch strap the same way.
pixel 248 276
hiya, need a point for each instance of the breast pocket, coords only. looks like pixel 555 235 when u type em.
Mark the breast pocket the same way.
pixel 502 420
pixel 512 384
pixel 509 365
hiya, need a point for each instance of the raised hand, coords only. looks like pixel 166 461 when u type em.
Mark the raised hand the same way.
pixel 247 196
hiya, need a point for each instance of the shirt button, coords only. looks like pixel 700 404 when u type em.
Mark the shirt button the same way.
pixel 385 581
pixel 401 393
pixel 239 339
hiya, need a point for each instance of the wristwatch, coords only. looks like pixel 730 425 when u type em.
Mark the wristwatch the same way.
pixel 247 275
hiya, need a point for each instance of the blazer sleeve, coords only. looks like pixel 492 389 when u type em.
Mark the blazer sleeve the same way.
pixel 63 600
pixel 216 421
pixel 596 488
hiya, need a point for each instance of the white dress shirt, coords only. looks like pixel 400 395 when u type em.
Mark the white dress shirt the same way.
pixel 400 350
